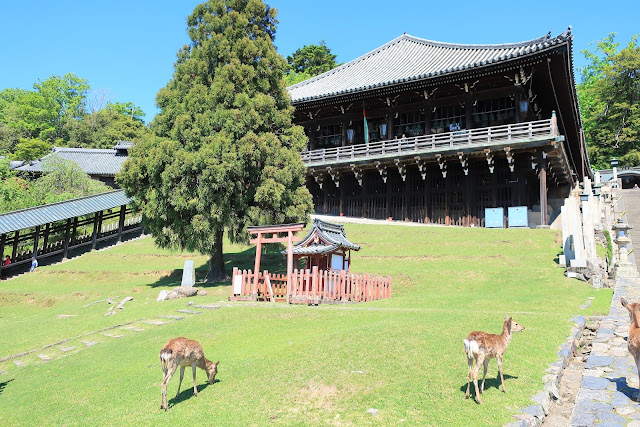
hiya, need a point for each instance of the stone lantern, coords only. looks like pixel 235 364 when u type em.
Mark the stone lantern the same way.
pixel 623 267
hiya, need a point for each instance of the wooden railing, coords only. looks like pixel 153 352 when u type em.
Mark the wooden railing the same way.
pixel 309 286
pixel 541 129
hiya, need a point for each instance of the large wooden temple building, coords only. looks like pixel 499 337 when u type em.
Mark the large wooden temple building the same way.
pixel 437 132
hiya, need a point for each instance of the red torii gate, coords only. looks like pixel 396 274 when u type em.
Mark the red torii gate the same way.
pixel 274 230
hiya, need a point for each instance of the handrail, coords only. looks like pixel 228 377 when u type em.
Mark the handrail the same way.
pixel 462 138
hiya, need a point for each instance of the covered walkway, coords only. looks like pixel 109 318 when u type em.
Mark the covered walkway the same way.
pixel 57 228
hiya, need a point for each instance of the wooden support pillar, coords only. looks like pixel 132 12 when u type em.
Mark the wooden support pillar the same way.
pixel 14 253
pixel 3 240
pixel 123 211
pixel 343 132
pixel 312 136
pixel 289 262
pixel 543 190
pixel 447 201
pixel 391 130
pixel 256 268
pixel 387 200
pixel 365 195
pixel 468 112
pixel 75 229
pixel 468 181
pixel 340 200
pixel 94 235
pixel 45 242
pixel 517 98
pixel 66 239
pixel 36 238
pixel 325 199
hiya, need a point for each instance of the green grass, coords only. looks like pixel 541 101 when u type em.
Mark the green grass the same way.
pixel 293 365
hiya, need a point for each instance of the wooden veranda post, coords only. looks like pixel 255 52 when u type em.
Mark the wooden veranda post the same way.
pixel 123 210
pixel 289 262
pixel 67 229
pixel 256 268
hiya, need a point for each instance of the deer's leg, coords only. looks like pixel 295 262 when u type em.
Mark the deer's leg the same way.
pixel 168 373
pixel 469 375
pixel 195 389
pixel 638 366
pixel 485 365
pixel 499 359
pixel 479 361
pixel 180 383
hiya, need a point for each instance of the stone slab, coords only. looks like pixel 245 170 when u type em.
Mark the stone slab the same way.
pixel 188 274
pixel 188 311
pixel 89 343
pixel 155 322
pixel 208 306
pixel 66 349
pixel 166 316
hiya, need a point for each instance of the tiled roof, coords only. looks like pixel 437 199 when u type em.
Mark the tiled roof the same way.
pixel 331 236
pixel 123 145
pixel 407 58
pixel 40 215
pixel 92 161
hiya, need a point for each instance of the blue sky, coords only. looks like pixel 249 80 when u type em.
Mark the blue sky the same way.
pixel 126 49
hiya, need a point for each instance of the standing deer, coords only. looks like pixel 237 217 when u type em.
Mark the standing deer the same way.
pixel 183 352
pixel 483 347
pixel 633 342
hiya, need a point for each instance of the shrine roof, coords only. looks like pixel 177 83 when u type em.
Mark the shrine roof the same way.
pixel 331 237
pixel 408 58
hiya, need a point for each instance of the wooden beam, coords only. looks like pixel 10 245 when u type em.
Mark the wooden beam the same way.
pixel 36 238
pixel 256 268
pixel 123 211
pixel 46 237
pixel 66 239
pixel 3 240
pixel 274 240
pixel 14 253
pixel 543 190
pixel 94 235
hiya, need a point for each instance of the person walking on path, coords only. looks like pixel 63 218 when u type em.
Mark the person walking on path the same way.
pixel 34 264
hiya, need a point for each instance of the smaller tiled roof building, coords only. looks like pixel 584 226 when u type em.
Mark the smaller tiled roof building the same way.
pixel 99 164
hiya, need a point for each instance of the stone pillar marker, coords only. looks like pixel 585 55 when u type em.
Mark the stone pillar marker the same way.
pixel 188 274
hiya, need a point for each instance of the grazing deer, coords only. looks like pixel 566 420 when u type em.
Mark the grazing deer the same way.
pixel 483 347
pixel 183 352
pixel 633 342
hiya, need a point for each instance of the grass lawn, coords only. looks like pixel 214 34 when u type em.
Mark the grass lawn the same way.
pixel 291 365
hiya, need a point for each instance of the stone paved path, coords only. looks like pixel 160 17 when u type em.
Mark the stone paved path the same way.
pixel 609 387
pixel 610 378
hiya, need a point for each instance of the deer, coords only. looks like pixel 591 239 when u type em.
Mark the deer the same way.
pixel 483 347
pixel 183 352
pixel 633 341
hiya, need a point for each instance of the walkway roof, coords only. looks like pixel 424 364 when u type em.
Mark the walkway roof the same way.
pixel 40 215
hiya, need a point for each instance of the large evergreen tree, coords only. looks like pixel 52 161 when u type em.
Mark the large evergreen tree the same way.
pixel 225 154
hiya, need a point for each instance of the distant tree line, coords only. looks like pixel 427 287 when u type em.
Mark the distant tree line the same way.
pixel 609 96
pixel 56 112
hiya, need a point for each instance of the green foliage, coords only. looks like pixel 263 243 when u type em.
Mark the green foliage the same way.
pixel 610 102
pixel 607 236
pixel 292 78
pixel 294 365
pixel 225 154
pixel 31 149
pixel 63 180
pixel 103 129
pixel 312 59
pixel 127 109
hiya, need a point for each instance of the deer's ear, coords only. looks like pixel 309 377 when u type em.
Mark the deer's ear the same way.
pixel 506 317
pixel 217 363
pixel 624 303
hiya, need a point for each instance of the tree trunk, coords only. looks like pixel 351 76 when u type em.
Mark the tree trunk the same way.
pixel 216 271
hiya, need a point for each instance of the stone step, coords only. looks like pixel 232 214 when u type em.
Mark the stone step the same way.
pixel 188 311
pixel 132 328
pixel 66 349
pixel 208 306
pixel 166 316
pixel 44 357
pixel 155 322
pixel 112 335
pixel 89 343
pixel 20 363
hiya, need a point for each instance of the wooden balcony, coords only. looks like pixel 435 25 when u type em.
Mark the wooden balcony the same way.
pixel 521 134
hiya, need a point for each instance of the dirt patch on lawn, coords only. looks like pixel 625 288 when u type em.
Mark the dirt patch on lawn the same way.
pixel 8 299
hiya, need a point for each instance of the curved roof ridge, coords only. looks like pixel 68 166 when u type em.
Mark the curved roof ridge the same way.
pixel 82 150
pixel 421 59
pixel 480 45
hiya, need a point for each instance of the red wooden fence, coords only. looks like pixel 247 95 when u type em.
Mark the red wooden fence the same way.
pixel 309 287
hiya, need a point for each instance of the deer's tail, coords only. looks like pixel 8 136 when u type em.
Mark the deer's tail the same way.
pixel 166 354
pixel 470 348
